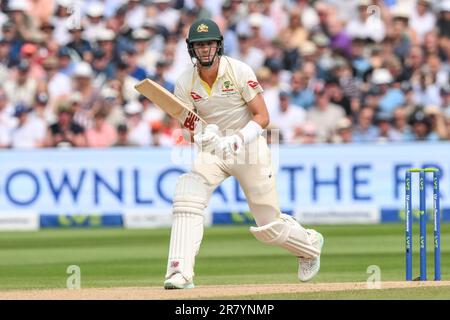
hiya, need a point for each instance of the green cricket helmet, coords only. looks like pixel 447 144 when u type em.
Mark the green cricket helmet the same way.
pixel 204 30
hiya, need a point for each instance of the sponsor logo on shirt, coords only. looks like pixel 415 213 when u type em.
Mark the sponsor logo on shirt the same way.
pixel 190 121
pixel 174 264
pixel 227 86
pixel 252 84
pixel 195 96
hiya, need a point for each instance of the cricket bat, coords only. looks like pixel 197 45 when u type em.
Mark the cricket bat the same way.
pixel 169 103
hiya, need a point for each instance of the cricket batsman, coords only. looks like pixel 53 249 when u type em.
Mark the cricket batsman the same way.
pixel 226 93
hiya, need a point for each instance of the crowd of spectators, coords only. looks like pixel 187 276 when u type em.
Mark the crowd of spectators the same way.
pixel 363 71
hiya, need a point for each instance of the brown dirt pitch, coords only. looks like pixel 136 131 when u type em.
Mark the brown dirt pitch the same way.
pixel 201 292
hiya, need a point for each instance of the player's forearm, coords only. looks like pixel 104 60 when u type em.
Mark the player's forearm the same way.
pixel 261 119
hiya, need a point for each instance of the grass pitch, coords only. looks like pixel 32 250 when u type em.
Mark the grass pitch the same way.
pixel 229 255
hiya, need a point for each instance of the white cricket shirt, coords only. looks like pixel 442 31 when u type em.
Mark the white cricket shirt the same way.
pixel 225 103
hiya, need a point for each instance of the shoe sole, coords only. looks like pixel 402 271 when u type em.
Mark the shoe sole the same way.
pixel 322 240
pixel 170 286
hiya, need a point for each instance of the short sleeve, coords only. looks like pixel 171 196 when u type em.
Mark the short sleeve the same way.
pixel 250 84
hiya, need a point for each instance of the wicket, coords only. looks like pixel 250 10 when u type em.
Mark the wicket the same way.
pixel 423 223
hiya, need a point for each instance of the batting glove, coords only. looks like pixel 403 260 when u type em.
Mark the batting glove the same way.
pixel 230 145
pixel 209 139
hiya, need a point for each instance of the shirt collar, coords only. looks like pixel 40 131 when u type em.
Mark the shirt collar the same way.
pixel 222 67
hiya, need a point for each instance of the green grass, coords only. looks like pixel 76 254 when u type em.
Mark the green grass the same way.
pixel 229 255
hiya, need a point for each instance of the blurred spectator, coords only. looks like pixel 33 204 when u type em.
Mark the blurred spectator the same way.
pixel 160 75
pixel 65 132
pixel 168 133
pixel 106 43
pixel 391 96
pixel 376 67
pixel 262 26
pixel 437 120
pixel 122 137
pixel 412 64
pixel 6 110
pixel 23 88
pixel 5 139
pixel 29 53
pixel 301 94
pixel 95 23
pixel 41 10
pixel 422 18
pixel 248 53
pixel 426 90
pixel 58 83
pixel 102 68
pixel 146 56
pixel 439 72
pixel 309 16
pixel 443 22
pixel 310 73
pixel 102 134
pixel 166 15
pixel 401 124
pixel 371 99
pixel 409 106
pixel 324 115
pixel 324 54
pixel 271 88
pixel 306 134
pixel 342 73
pixel 113 106
pixel 385 131
pixel 61 21
pixel 28 133
pixel 79 44
pixel 157 36
pixel 12 37
pixel 41 109
pixel 365 130
pixel 400 36
pixel 131 58
pixel 339 38
pixel 18 14
pixel 7 120
pixel 433 45
pixel 294 35
pixel 139 132
pixel 126 81
pixel 5 60
pixel 151 113
pixel 337 96
pixel 65 63
pixel 366 25
pixel 83 83
pixel 422 128
pixel 135 14
pixel 288 117
pixel 445 98
pixel 121 29
pixel 343 132
pixel 202 11
pixel 45 41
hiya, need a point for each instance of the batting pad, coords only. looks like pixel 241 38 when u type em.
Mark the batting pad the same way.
pixel 185 239
pixel 289 234
pixel 190 199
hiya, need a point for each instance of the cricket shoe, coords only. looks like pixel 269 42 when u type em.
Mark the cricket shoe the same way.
pixel 308 268
pixel 177 281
